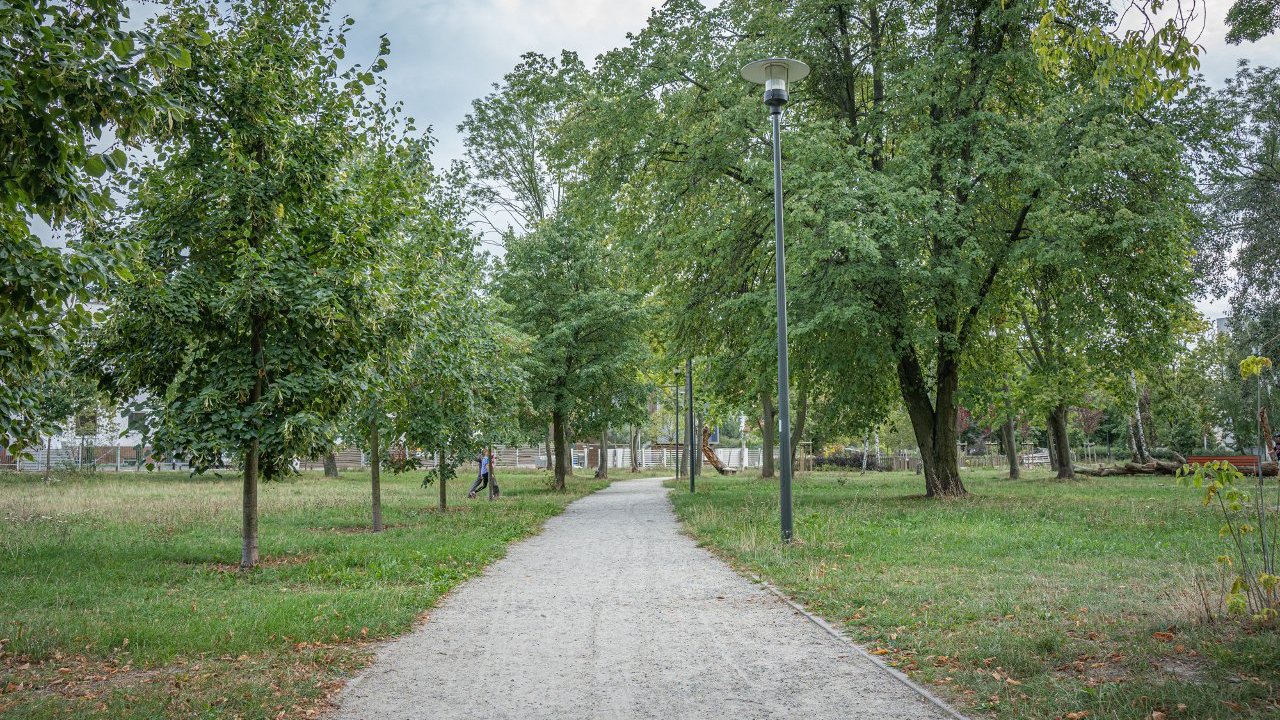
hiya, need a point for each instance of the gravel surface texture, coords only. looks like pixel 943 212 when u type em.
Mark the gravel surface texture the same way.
pixel 612 612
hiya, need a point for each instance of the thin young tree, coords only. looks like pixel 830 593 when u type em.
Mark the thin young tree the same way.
pixel 251 286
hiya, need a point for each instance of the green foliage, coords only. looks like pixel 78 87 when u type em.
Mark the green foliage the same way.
pixel 936 170
pixel 69 73
pixel 509 134
pixel 1251 527
pixel 586 332
pixel 259 241
pixel 1252 20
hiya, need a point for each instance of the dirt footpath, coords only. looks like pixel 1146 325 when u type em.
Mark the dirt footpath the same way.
pixel 611 612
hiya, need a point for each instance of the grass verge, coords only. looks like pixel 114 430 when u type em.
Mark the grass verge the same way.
pixel 1031 599
pixel 119 596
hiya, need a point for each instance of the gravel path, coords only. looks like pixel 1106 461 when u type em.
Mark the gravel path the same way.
pixel 612 612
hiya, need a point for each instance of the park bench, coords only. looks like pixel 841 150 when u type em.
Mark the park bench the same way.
pixel 1243 463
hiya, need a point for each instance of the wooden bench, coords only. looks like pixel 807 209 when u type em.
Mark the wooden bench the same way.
pixel 1241 462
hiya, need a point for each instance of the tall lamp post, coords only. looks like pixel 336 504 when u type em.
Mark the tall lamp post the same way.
pixel 675 434
pixel 774 74
pixel 688 399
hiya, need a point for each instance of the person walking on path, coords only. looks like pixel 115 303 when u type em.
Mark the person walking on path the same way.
pixel 485 478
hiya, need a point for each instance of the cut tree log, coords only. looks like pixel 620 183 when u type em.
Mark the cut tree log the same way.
pixel 1158 467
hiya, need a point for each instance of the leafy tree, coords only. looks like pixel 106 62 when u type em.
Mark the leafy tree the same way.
pixel 1252 20
pixel 69 73
pixel 510 137
pixel 924 157
pixel 586 333
pixel 251 284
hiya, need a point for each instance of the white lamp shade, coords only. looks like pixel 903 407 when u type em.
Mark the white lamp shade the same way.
pixel 775 73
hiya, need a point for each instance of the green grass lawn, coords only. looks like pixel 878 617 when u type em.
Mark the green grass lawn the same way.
pixel 1031 599
pixel 119 595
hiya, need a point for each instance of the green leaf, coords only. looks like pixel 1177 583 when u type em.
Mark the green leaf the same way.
pixel 95 165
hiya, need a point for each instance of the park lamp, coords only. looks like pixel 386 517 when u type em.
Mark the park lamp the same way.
pixel 775 74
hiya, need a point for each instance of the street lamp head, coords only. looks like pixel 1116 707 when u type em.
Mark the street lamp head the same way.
pixel 775 74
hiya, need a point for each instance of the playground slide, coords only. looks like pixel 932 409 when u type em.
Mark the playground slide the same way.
pixel 709 454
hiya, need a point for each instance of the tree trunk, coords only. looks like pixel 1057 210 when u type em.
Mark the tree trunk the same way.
pixel 1061 442
pixel 550 458
pixel 802 410
pixel 1051 441
pixel 1150 437
pixel 48 452
pixel 697 446
pixel 561 449
pixel 330 465
pixel 934 427
pixel 442 501
pixel 1135 427
pixel 865 442
pixel 249 525
pixel 375 473
pixel 768 423
pixel 1010 448
pixel 742 461
pixel 635 449
pixel 493 475
pixel 602 469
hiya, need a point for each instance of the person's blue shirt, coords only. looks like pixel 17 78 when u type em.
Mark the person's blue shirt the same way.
pixel 484 464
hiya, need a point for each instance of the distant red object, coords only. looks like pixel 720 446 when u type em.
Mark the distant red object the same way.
pixel 1241 462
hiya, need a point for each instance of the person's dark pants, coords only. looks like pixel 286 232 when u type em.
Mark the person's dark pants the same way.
pixel 480 483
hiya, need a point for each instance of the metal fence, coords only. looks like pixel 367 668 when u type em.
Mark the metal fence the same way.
pixel 116 458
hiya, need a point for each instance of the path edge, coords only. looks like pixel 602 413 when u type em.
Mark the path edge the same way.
pixel 827 627
pixel 837 634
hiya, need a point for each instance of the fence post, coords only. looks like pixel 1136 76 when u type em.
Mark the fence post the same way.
pixel 117 458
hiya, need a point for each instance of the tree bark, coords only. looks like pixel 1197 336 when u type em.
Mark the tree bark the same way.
pixel 767 425
pixel 635 448
pixel 802 411
pixel 1139 438
pixel 934 426
pixel 602 468
pixel 1010 448
pixel 561 449
pixel 330 465
pixel 442 501
pixel 375 473
pixel 550 458
pixel 48 452
pixel 249 496
pixel 697 446
pixel 1051 435
pixel 1062 442
pixel 1150 437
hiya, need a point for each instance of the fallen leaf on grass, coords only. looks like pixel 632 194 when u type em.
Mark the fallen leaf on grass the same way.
pixel 1163 636
pixel 1079 715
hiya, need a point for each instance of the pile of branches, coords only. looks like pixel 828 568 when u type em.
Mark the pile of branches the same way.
pixel 1160 467
pixel 849 461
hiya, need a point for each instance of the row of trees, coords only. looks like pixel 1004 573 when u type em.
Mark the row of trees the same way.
pixel 1003 206
pixel 1007 206
pixel 288 267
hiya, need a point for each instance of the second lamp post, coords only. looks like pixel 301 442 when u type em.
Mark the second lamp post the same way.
pixel 774 74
